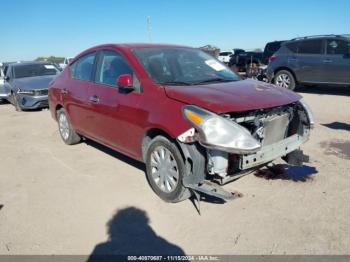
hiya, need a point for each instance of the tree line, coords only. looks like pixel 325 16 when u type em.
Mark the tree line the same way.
pixel 54 59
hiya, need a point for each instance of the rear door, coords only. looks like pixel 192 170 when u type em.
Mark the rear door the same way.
pixel 337 61
pixel 75 93
pixel 310 61
pixel 115 112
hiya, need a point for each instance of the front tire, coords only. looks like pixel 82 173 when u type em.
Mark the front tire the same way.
pixel 165 170
pixel 68 135
pixel 285 79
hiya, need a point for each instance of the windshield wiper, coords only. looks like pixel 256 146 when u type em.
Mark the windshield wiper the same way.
pixel 212 80
pixel 178 83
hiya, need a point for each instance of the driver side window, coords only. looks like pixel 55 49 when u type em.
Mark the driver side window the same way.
pixel 338 47
pixel 111 66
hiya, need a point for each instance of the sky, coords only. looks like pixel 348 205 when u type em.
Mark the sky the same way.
pixel 67 27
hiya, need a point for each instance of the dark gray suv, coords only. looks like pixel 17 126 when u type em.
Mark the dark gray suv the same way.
pixel 311 60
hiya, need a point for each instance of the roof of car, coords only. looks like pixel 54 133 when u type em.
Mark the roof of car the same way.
pixel 141 45
pixel 320 36
pixel 31 63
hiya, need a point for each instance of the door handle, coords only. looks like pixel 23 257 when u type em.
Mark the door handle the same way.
pixel 94 99
pixel 327 61
pixel 64 91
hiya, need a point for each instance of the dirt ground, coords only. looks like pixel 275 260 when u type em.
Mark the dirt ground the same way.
pixel 83 199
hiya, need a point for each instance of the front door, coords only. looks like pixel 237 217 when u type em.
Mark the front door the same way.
pixel 337 61
pixel 115 111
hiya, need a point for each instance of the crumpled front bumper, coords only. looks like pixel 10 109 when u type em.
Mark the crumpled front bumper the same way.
pixel 271 152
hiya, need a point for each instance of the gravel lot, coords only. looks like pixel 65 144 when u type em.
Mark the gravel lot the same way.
pixel 59 199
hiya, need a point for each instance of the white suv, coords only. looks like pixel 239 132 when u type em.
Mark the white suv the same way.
pixel 225 57
pixel 65 62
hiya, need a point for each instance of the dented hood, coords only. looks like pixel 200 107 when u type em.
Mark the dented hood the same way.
pixel 236 96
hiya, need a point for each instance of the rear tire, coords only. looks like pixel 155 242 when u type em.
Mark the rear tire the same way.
pixel 285 79
pixel 165 169
pixel 68 135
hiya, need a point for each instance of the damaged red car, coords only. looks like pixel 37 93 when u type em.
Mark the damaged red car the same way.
pixel 194 123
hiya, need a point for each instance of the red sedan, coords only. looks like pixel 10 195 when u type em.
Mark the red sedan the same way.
pixel 189 118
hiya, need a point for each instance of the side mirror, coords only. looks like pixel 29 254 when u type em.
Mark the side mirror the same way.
pixel 125 81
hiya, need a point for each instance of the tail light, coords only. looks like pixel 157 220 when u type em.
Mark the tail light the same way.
pixel 272 58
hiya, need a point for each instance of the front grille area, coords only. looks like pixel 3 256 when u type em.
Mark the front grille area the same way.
pixel 43 92
pixel 268 126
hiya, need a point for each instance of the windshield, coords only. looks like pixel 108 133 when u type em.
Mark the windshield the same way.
pixel 31 70
pixel 182 66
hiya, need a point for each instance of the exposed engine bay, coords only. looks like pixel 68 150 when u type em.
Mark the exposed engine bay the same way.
pixel 279 131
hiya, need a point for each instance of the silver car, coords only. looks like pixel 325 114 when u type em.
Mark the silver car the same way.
pixel 26 84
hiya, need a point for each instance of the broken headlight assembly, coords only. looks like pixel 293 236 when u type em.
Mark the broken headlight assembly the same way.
pixel 308 111
pixel 216 132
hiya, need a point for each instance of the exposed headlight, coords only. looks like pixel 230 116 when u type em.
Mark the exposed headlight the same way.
pixel 220 133
pixel 25 92
pixel 309 113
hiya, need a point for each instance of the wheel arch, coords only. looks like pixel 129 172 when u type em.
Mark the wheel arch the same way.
pixel 58 107
pixel 193 155
pixel 149 135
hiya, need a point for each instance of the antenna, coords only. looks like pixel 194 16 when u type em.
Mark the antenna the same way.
pixel 149 28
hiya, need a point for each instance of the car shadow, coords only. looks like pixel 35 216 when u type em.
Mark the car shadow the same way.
pixel 287 172
pixel 4 102
pixel 137 164
pixel 129 234
pixel 141 166
pixel 338 126
pixel 325 90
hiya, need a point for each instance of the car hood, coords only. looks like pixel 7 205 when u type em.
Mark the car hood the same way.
pixel 32 83
pixel 236 96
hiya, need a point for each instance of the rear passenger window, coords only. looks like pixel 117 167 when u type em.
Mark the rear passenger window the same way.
pixel 310 47
pixel 293 46
pixel 82 68
pixel 273 47
pixel 111 66
pixel 337 47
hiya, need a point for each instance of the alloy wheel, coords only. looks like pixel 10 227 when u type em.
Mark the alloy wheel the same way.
pixel 283 80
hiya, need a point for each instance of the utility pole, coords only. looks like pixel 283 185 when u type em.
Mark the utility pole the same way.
pixel 149 28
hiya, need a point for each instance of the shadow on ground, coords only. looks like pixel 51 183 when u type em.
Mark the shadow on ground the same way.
pixel 137 164
pixel 338 126
pixel 338 148
pixel 287 172
pixel 129 233
pixel 325 90
pixel 141 166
